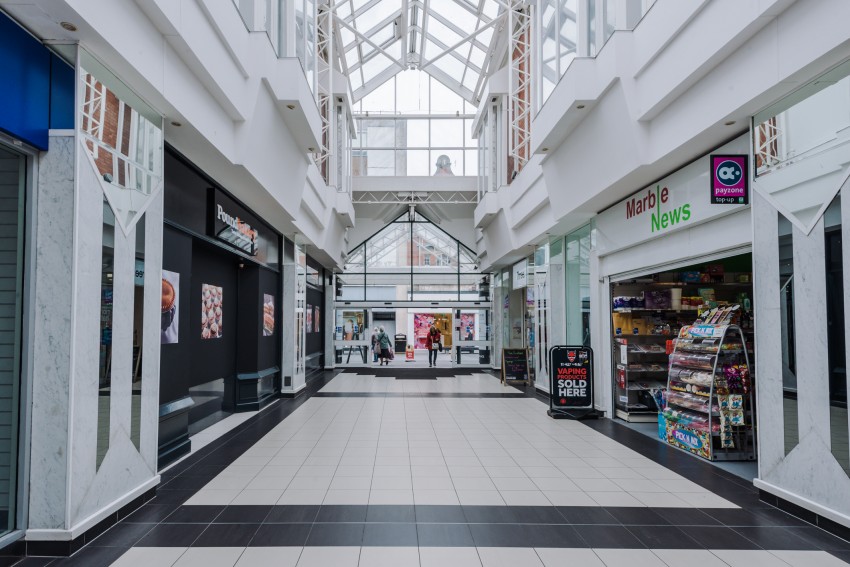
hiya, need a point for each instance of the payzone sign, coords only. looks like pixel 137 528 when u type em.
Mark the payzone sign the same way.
pixel 729 180
pixel 571 377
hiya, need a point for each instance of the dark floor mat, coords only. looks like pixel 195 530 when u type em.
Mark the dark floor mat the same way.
pixel 416 377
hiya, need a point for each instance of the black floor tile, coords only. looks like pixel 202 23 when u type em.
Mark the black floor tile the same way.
pixel 736 518
pixel 821 539
pixel 243 514
pixel 440 514
pixel 336 514
pixel 537 515
pixel 389 513
pixel 186 482
pixel 608 537
pixel 587 515
pixel 686 517
pixel 544 535
pixel 281 535
pixel 36 562
pixel 500 535
pixel 292 514
pixel 350 535
pixel 775 537
pixel 842 555
pixel 444 535
pixel 489 515
pixel 171 535
pixel 171 498
pixel 9 560
pixel 227 535
pixel 150 513
pixel 122 535
pixel 718 537
pixel 780 517
pixel 91 557
pixel 662 537
pixel 635 516
pixel 193 515
pixel 390 535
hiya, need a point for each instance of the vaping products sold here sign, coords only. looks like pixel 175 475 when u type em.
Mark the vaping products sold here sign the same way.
pixel 571 374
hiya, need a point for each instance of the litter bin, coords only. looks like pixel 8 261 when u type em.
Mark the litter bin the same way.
pixel 400 343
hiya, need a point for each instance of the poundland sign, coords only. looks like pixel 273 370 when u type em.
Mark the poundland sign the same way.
pixel 677 202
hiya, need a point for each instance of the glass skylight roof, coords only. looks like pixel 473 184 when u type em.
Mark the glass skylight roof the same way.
pixel 452 40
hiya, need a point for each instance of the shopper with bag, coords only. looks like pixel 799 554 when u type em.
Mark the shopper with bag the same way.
pixel 432 342
pixel 384 343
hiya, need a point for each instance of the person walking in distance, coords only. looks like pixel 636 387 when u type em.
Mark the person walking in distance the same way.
pixel 384 343
pixel 432 342
pixel 376 348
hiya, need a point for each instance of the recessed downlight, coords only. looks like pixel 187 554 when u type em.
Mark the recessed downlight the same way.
pixel 729 123
pixel 579 106
pixel 68 26
pixel 177 124
pixel 290 106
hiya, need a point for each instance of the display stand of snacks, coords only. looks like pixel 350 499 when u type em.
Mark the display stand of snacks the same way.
pixel 709 407
pixel 641 372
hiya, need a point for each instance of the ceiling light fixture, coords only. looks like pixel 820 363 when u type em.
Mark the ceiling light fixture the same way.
pixel 290 106
pixel 729 123
pixel 177 124
pixel 579 106
pixel 544 149
pixel 68 26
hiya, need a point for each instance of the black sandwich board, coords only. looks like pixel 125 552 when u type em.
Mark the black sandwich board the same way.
pixel 515 366
pixel 571 383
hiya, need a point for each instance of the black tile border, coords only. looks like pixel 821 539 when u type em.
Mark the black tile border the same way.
pixel 813 518
pixel 69 547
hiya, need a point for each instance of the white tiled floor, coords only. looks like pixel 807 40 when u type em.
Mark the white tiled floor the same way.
pixel 484 451
pixel 363 384
pixel 465 557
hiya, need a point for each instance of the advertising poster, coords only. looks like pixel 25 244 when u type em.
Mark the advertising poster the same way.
pixel 268 315
pixel 467 326
pixel 317 319
pixel 421 325
pixel 211 311
pixel 309 318
pixel 169 329
pixel 351 323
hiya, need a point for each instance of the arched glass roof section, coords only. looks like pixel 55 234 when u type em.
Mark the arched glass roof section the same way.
pixel 410 259
pixel 452 40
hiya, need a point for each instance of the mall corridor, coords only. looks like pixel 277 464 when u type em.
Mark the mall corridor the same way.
pixel 466 473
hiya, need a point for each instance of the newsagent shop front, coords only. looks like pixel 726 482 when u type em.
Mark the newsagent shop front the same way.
pixel 674 348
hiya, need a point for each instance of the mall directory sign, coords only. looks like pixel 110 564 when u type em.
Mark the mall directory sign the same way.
pixel 729 179
pixel 571 382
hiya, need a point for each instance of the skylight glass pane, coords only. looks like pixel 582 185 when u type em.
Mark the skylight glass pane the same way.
pixel 356 81
pixel 444 100
pixel 453 12
pixel 359 4
pixel 451 66
pixel 378 13
pixel 440 32
pixel 394 50
pixel 417 163
pixel 384 34
pixel 470 80
pixel 377 133
pixel 431 49
pixel 417 133
pixel 379 162
pixel 381 99
pixel 491 8
pixel 412 92
pixel 477 57
pixel 485 36
pixel 447 133
pixel 374 66
pixel 346 35
pixel 344 10
pixel 470 166
pixel 467 134
pixel 351 57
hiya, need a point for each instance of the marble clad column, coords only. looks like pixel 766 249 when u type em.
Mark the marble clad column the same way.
pixel 770 426
pixel 328 319
pixel 52 322
pixel 289 333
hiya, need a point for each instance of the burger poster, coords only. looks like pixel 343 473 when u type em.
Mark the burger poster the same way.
pixel 211 311
pixel 170 327
pixel 268 315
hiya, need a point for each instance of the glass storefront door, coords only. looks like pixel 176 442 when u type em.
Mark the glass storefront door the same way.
pixel 352 337
pixel 472 337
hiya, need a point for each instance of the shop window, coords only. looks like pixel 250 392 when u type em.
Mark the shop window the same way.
pixel 138 334
pixel 839 436
pixel 786 313
pixel 578 287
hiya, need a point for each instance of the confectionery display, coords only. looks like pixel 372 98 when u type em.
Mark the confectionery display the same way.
pixel 708 403
pixel 268 315
pixel 647 315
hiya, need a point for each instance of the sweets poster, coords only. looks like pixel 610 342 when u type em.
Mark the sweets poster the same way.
pixel 317 319
pixel 268 315
pixel 467 326
pixel 211 311
pixel 309 316
pixel 170 326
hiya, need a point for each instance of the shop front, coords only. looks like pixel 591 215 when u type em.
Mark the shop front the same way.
pixel 220 340
pixel 314 317
pixel 677 338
